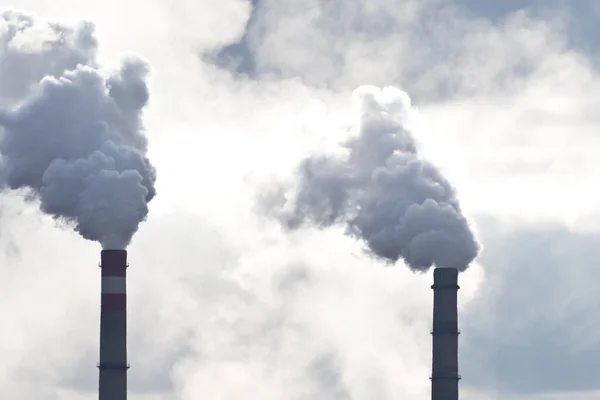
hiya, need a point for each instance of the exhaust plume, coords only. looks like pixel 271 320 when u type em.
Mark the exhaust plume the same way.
pixel 75 141
pixel 382 191
pixel 30 50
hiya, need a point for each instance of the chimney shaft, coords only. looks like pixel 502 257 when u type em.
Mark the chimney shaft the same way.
pixel 444 376
pixel 113 326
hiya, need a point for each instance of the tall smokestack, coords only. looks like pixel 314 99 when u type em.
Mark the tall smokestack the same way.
pixel 378 186
pixel 113 326
pixel 445 377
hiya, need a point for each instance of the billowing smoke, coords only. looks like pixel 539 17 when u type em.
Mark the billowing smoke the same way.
pixel 72 134
pixel 384 193
pixel 30 50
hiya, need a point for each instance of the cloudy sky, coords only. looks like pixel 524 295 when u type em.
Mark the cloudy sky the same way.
pixel 222 302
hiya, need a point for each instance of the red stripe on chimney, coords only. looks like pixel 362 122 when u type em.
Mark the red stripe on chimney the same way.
pixel 113 301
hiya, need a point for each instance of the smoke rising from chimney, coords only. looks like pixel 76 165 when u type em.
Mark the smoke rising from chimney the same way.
pixel 382 191
pixel 75 138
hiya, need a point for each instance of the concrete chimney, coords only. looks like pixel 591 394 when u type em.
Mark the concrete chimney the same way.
pixel 444 376
pixel 113 326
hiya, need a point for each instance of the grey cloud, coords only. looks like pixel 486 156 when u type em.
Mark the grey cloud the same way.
pixel 383 191
pixel 237 57
pixel 77 141
pixel 432 48
pixel 325 371
pixel 499 9
pixel 22 66
pixel 531 331
pixel 579 17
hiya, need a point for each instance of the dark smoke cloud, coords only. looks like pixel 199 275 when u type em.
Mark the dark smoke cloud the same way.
pixel 385 194
pixel 75 139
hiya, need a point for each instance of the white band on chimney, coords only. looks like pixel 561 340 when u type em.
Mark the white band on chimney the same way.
pixel 113 284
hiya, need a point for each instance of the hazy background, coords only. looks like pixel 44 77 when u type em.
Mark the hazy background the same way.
pixel 222 304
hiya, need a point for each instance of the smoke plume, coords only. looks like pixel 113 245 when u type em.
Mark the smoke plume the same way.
pixel 30 50
pixel 384 193
pixel 72 134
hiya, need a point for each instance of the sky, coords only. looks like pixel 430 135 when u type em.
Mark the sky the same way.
pixel 222 301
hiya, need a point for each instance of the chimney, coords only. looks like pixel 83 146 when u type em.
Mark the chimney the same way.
pixel 113 326
pixel 444 376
